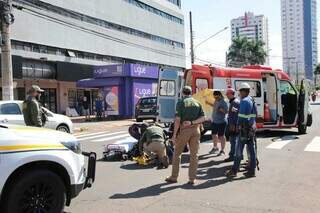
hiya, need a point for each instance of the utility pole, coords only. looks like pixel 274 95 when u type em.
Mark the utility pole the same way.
pixel 191 39
pixel 6 61
pixel 297 72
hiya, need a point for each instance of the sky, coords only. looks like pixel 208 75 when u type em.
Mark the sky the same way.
pixel 210 16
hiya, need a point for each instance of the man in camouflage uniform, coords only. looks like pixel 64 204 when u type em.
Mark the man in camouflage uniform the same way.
pixel 189 116
pixel 32 111
pixel 153 141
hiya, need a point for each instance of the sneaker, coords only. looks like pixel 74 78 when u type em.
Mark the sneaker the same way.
pixel 230 174
pixel 221 153
pixel 249 174
pixel 214 150
pixel 171 180
pixel 229 159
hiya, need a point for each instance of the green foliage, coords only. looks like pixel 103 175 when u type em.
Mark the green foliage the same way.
pixel 244 52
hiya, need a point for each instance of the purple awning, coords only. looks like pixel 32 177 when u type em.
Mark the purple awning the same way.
pixel 96 83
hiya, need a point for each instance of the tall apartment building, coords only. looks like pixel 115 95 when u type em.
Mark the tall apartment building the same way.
pixel 252 27
pixel 56 43
pixel 299 37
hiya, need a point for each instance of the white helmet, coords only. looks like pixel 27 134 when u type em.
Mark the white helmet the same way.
pixel 244 86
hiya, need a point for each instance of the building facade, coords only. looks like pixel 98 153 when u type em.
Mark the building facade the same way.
pixel 299 38
pixel 56 43
pixel 254 28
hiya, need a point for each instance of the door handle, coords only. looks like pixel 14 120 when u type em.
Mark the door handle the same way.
pixel 258 104
pixel 4 121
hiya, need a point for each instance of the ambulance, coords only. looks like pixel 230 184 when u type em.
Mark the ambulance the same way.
pixel 279 103
pixel 41 169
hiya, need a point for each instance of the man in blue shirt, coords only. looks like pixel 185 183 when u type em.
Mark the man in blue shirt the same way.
pixel 247 125
pixel 219 122
pixel 234 104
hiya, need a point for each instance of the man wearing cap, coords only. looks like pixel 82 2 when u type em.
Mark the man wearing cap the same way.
pixel 247 124
pixel 153 141
pixel 234 105
pixel 189 117
pixel 32 112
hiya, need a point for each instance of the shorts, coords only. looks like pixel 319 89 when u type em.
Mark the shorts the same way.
pixel 219 129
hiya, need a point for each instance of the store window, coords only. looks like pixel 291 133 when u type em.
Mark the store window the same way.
pixel 48 99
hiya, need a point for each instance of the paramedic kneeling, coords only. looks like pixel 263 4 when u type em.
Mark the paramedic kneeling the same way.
pixel 189 116
pixel 247 126
pixel 153 141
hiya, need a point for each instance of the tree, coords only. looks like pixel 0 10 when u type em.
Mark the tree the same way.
pixel 316 74
pixel 244 52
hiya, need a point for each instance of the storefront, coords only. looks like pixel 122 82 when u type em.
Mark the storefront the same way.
pixel 122 86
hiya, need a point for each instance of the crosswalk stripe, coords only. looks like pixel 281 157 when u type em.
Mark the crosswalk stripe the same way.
pixel 111 138
pixel 314 146
pixel 102 135
pixel 279 144
pixel 90 134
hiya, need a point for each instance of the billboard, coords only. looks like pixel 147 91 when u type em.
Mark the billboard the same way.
pixel 111 97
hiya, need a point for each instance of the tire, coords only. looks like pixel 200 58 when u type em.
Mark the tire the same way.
pixel 309 120
pixel 302 129
pixel 63 128
pixel 139 119
pixel 36 190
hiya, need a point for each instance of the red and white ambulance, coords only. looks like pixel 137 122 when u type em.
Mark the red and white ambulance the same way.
pixel 279 103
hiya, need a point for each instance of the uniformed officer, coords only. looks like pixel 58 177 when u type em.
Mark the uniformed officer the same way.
pixel 189 116
pixel 153 141
pixel 32 111
pixel 247 126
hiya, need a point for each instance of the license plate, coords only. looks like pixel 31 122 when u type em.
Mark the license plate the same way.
pixel 146 110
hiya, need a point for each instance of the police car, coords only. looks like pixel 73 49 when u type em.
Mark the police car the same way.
pixel 41 169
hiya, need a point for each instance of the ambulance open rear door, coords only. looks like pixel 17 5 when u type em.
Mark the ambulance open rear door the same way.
pixel 169 87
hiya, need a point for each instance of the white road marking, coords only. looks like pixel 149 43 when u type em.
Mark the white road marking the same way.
pixel 279 144
pixel 102 135
pixel 126 140
pixel 314 146
pixel 111 138
pixel 89 134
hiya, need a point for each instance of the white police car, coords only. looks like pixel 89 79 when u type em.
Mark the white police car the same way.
pixel 41 170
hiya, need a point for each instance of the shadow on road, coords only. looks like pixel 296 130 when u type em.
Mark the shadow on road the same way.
pixel 213 176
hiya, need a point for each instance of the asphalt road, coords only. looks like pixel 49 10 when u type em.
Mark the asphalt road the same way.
pixel 287 182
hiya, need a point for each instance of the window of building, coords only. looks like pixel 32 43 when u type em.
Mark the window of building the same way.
pixel 109 25
pixel 33 69
pixel 157 11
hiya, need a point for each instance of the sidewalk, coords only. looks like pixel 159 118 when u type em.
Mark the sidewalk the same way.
pixel 95 126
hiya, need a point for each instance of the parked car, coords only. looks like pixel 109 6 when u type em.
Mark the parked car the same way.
pixel 11 113
pixel 146 109
pixel 41 170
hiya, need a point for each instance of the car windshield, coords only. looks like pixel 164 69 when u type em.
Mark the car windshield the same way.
pixel 149 101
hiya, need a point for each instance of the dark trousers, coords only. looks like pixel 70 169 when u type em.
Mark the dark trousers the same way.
pixel 233 140
pixel 239 155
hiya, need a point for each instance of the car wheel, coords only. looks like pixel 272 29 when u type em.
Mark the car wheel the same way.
pixel 139 120
pixel 302 129
pixel 36 190
pixel 309 120
pixel 63 128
